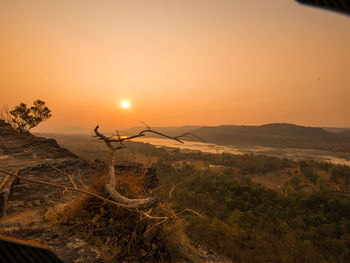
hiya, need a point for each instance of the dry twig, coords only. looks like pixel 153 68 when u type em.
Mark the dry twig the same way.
pixel 63 172
pixel 173 188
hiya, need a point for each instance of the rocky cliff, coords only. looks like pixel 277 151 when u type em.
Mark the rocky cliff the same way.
pixel 38 213
pixel 29 155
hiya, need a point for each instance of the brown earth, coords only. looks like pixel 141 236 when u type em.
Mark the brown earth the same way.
pixel 28 203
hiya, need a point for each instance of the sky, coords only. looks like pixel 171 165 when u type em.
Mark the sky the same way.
pixel 178 62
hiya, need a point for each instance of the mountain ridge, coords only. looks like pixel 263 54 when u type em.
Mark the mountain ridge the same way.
pixel 271 134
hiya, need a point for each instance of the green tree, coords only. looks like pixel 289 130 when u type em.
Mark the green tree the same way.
pixel 24 118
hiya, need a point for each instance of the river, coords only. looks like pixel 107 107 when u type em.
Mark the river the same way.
pixel 290 153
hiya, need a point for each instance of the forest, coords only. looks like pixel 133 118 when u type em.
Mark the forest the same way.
pixel 305 219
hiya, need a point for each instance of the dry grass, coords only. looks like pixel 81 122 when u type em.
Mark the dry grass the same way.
pixel 122 234
pixel 131 183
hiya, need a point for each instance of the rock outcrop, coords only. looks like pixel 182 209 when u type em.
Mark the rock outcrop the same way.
pixel 28 202
pixel 5 127
pixel 92 230
pixel 32 157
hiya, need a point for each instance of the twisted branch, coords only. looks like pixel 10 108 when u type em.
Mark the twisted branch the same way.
pixel 63 172
pixel 110 187
pixel 120 139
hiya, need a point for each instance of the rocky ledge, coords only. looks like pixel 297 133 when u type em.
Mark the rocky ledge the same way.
pixel 43 159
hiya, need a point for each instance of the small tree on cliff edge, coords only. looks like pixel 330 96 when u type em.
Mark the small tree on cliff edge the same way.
pixel 24 118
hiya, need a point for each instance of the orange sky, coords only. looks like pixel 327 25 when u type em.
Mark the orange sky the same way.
pixel 179 62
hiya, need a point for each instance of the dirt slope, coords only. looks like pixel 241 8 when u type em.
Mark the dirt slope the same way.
pixel 28 203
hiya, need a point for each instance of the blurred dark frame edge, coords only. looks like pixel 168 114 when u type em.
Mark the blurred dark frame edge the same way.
pixel 340 6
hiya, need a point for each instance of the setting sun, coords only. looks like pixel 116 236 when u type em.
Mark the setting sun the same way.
pixel 125 104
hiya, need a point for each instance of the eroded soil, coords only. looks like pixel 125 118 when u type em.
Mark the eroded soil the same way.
pixel 28 202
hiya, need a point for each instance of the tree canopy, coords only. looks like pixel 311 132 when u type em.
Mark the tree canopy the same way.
pixel 24 118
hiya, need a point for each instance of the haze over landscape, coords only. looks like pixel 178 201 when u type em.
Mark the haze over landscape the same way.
pixel 175 131
pixel 176 62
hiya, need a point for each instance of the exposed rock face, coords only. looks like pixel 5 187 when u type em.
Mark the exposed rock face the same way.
pixel 27 144
pixel 18 151
pixel 28 202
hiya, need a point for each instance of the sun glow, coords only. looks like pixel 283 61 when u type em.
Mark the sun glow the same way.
pixel 125 104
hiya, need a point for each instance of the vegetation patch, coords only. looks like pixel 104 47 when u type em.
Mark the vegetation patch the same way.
pixel 250 223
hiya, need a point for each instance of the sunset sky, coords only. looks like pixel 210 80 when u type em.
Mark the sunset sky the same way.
pixel 178 62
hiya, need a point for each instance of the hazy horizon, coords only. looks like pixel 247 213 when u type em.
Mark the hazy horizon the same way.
pixel 178 63
pixel 84 130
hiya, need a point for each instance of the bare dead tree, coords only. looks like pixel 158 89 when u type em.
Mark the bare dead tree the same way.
pixel 115 143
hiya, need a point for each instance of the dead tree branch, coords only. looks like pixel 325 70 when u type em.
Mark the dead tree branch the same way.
pixel 119 200
pixel 172 190
pixel 130 207
pixel 110 187
pixel 173 217
pixel 190 134
pixel 121 139
pixel 63 172
pixel 64 187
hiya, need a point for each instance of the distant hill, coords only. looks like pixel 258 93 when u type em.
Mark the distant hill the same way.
pixel 336 130
pixel 276 134
pixel 345 134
